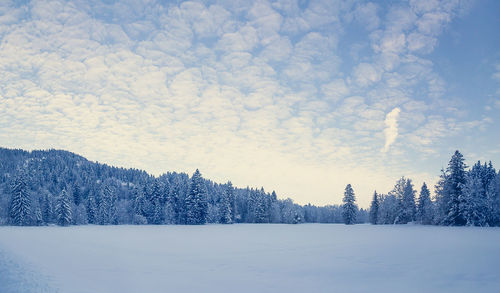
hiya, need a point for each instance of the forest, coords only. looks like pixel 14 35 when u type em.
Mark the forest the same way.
pixel 46 187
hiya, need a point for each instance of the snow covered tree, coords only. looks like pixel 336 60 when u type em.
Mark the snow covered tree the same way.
pixel 225 209
pixel 388 209
pixel 77 194
pixel 38 216
pixel 425 211
pixel 47 208
pixel 275 210
pixel 196 201
pixel 493 195
pixel 260 207
pixel 405 194
pixel 349 209
pixel 374 209
pixel 473 201
pixel 408 203
pixel 20 206
pixel 158 214
pixel 106 212
pixel 139 202
pixel 63 209
pixel 92 209
pixel 156 204
pixel 452 191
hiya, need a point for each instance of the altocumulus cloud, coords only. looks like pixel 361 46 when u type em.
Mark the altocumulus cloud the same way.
pixel 265 93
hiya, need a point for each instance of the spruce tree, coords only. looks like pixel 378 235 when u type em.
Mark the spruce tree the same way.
pixel 374 207
pixel 455 181
pixel 493 196
pixel 473 203
pixel 77 194
pixel 349 209
pixel 38 216
pixel 91 209
pixel 408 203
pixel 47 209
pixel 225 208
pixel 424 208
pixel 196 201
pixel 20 206
pixel 158 214
pixel 260 207
pixel 63 209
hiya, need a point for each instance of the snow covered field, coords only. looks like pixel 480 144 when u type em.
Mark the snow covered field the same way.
pixel 249 258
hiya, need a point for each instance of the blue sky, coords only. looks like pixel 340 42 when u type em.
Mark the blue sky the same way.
pixel 301 97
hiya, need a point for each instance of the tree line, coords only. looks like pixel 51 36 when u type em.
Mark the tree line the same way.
pixel 463 197
pixel 59 187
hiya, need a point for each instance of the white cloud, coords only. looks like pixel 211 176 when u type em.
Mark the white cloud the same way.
pixel 367 13
pixel 391 130
pixel 366 74
pixel 255 92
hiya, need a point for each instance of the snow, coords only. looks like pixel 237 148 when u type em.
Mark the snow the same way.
pixel 250 258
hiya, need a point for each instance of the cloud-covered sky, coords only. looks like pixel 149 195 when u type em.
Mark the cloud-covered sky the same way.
pixel 298 96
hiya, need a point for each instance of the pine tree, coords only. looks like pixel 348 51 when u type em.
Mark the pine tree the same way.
pixel 106 213
pixel 349 209
pixel 225 209
pixel 138 202
pixel 155 204
pixel 374 207
pixel 455 181
pixel 63 209
pixel 408 203
pixel 473 201
pixel 77 194
pixel 20 206
pixel 494 201
pixel 398 192
pixel 275 209
pixel 38 216
pixel 48 211
pixel 260 207
pixel 424 209
pixel 196 201
pixel 158 214
pixel 91 209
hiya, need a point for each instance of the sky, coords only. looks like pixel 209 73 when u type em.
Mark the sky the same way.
pixel 301 97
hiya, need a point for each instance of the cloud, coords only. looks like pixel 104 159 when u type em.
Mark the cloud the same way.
pixel 391 130
pixel 263 93
pixel 366 74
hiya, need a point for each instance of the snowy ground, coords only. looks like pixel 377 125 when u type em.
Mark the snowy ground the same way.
pixel 249 258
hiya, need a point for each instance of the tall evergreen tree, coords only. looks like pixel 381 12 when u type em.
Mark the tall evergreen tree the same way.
pixel 92 209
pixel 47 209
pixel 20 206
pixel 473 201
pixel 38 216
pixel 225 210
pixel 424 208
pixel 493 196
pixel 454 184
pixel 260 206
pixel 63 209
pixel 77 194
pixel 349 209
pixel 196 201
pixel 408 203
pixel 374 207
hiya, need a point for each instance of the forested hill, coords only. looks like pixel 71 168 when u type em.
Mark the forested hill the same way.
pixel 60 187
